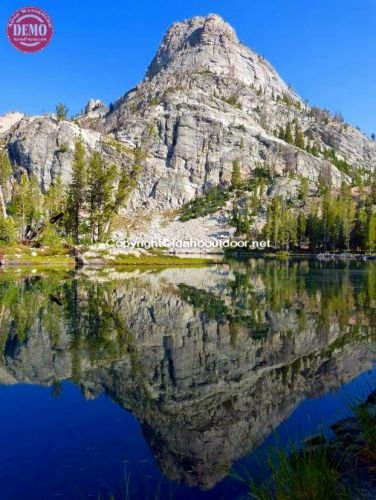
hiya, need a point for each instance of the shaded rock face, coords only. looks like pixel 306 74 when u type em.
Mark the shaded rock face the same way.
pixel 210 361
pixel 206 101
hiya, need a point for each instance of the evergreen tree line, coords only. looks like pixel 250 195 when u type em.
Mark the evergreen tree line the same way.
pixel 83 211
pixel 331 223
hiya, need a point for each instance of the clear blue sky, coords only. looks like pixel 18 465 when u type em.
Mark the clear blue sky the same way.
pixel 325 49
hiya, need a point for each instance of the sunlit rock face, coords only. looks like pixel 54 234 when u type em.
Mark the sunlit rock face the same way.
pixel 210 361
pixel 212 100
pixel 206 100
pixel 44 146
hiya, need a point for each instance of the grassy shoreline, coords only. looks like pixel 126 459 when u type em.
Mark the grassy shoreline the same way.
pixel 29 259
pixel 24 256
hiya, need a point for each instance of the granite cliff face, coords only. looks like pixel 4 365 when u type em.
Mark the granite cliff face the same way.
pixel 209 362
pixel 211 101
pixel 44 146
pixel 206 100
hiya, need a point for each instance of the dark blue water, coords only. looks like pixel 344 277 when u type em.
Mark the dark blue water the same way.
pixel 310 418
pixel 68 447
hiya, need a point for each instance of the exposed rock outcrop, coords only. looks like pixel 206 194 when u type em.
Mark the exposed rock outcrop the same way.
pixel 44 146
pixel 94 105
pixel 8 120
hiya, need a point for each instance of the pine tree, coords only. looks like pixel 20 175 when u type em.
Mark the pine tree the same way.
pixel 261 189
pixel 100 194
pixel 326 217
pixel 27 201
pixel 36 199
pixel 268 228
pixel 299 137
pixel 235 213
pixel 5 169
pixel 346 215
pixel 61 111
pixel 314 228
pixel 304 189
pixel 373 188
pixel 302 228
pixel 360 231
pixel 314 150
pixel 77 191
pixel 54 200
pixel 292 229
pixel 288 134
pixel 235 175
pixel 3 209
pixel 21 203
pixel 5 173
pixel 247 222
pixel 274 229
pixel 282 238
pixel 129 177
pixel 371 234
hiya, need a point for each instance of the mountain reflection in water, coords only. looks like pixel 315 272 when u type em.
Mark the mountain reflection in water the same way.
pixel 209 360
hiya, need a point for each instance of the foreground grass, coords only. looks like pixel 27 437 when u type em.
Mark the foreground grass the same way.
pixel 339 467
pixel 21 255
pixel 308 475
pixel 160 260
pixel 24 255
pixel 366 416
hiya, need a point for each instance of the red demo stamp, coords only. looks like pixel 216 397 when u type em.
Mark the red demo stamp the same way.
pixel 30 29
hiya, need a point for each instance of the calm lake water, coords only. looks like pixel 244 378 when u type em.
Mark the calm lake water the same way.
pixel 154 384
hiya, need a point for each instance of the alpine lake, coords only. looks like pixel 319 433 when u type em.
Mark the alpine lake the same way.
pixel 175 382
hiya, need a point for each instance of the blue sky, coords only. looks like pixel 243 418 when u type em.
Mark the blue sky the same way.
pixel 325 49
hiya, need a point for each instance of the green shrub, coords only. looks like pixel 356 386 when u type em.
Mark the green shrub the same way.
pixel 207 204
pixel 232 100
pixel 288 101
pixel 342 165
pixel 8 230
pixel 241 127
pixel 52 240
pixel 262 172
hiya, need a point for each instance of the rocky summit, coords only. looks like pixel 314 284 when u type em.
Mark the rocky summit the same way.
pixel 206 101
